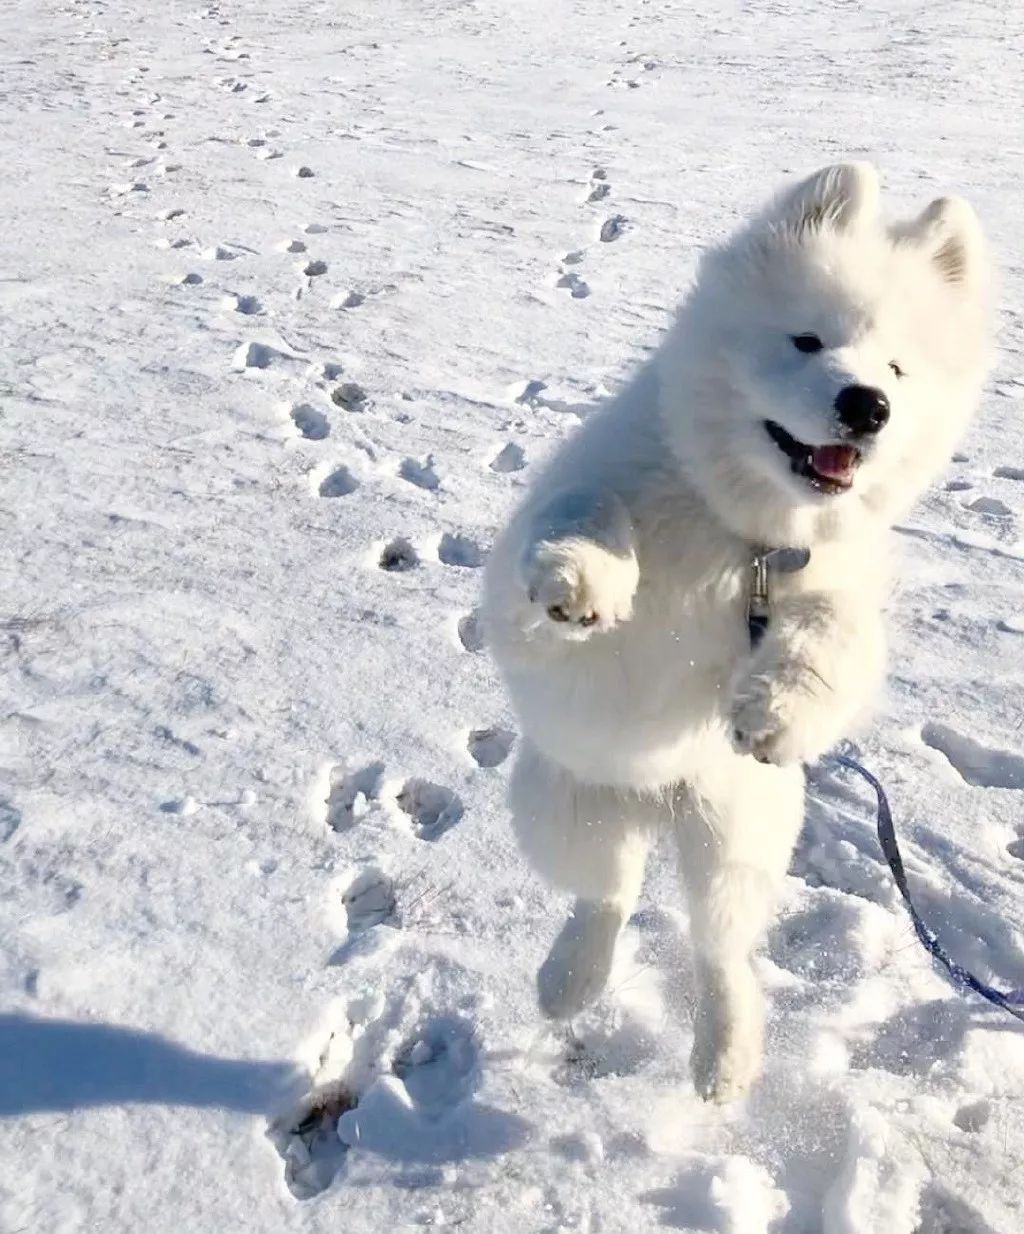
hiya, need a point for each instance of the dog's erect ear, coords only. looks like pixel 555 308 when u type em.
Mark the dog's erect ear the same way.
pixel 841 197
pixel 950 233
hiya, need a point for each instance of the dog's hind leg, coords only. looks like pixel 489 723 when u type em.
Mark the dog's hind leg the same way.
pixel 577 966
pixel 593 841
pixel 735 839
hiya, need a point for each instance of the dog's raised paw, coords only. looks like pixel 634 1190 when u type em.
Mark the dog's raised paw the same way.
pixel 581 587
pixel 758 725
pixel 771 721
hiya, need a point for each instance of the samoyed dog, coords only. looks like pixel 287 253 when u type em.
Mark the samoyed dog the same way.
pixel 817 377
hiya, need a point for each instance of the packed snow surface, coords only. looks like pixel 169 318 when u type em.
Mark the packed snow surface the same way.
pixel 293 299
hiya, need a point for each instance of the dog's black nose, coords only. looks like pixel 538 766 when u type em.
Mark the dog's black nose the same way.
pixel 862 408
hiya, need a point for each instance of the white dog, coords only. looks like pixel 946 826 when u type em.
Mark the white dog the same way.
pixel 818 375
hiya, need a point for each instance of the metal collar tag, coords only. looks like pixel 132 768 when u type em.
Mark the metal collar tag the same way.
pixel 763 565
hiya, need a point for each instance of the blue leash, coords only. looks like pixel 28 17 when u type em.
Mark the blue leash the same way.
pixel 767 562
pixel 1011 1000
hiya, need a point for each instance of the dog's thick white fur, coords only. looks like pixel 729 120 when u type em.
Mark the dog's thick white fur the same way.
pixel 615 600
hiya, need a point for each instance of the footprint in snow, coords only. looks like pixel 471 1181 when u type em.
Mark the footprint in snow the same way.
pixel 349 794
pixel 578 288
pixel 398 556
pixel 437 1070
pixel 248 306
pixel 306 1136
pixel 459 550
pixel 599 185
pixel 350 396
pixel 439 1065
pixel 819 943
pixel 944 1211
pixel 471 634
pixel 254 355
pixel 612 228
pixel 313 269
pixel 340 483
pixel 131 186
pixel 977 764
pixel 991 507
pixel 432 808
pixel 422 474
pixel 218 252
pixel 1009 473
pixel 973 1116
pixel 369 900
pixel 293 246
pixel 355 297
pixel 489 747
pixel 598 1052
pixel 311 424
pixel 530 393
pixel 308 1142
pixel 509 458
pixel 259 356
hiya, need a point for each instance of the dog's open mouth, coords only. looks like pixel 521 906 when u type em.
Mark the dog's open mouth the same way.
pixel 829 469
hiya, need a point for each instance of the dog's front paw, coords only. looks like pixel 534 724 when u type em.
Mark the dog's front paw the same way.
pixel 581 586
pixel 773 721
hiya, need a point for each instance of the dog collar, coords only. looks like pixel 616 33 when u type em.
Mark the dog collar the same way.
pixel 764 563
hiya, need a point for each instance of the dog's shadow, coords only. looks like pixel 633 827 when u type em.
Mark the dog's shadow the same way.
pixel 50 1065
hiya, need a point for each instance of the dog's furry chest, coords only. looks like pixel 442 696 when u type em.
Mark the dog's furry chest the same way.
pixel 701 621
pixel 691 601
pixel 645 704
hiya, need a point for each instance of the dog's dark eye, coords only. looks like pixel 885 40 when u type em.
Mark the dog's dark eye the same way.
pixel 896 369
pixel 807 343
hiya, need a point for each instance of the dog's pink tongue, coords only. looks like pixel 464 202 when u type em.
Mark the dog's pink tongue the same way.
pixel 835 462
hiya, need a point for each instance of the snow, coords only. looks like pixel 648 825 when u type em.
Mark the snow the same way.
pixel 293 298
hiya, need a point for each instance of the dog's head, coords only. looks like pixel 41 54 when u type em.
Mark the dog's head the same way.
pixel 838 358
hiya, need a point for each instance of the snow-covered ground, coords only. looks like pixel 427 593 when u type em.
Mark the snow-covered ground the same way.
pixel 292 298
